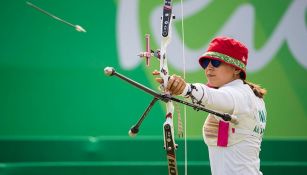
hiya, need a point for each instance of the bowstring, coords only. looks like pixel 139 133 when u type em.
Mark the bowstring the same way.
pixel 184 108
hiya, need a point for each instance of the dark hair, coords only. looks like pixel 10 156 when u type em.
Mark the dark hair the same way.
pixel 257 89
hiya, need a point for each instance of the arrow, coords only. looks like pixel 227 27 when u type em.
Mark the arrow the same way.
pixel 77 27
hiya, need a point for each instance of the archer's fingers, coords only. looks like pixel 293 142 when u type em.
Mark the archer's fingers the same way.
pixel 175 85
pixel 179 89
pixel 170 83
pixel 155 72
pixel 178 86
pixel 159 80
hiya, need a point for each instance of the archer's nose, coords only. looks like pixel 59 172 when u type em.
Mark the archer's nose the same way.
pixel 210 66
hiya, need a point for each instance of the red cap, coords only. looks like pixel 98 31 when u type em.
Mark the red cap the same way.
pixel 229 51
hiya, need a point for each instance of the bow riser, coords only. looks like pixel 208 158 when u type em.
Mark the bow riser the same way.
pixel 168 127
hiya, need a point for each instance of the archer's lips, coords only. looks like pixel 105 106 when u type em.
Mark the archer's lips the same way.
pixel 210 75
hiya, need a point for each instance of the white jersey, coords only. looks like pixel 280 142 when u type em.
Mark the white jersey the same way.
pixel 239 153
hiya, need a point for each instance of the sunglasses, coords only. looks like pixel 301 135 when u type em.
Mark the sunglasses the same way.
pixel 205 62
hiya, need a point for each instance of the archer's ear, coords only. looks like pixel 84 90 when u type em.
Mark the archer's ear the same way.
pixel 237 71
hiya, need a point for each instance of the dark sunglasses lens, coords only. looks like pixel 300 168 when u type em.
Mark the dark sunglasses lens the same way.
pixel 205 63
pixel 215 63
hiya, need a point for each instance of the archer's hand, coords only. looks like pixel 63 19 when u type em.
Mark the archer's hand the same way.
pixel 175 84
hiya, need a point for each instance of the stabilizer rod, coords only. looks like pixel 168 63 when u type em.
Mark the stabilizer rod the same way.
pixel 135 128
pixel 110 71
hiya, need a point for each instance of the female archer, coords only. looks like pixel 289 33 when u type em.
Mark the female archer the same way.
pixel 233 148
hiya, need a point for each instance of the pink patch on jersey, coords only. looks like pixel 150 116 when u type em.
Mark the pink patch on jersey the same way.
pixel 222 136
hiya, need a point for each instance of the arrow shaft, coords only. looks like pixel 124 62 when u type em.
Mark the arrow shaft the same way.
pixel 51 15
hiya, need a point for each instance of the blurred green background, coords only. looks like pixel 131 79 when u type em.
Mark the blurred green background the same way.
pixel 53 87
